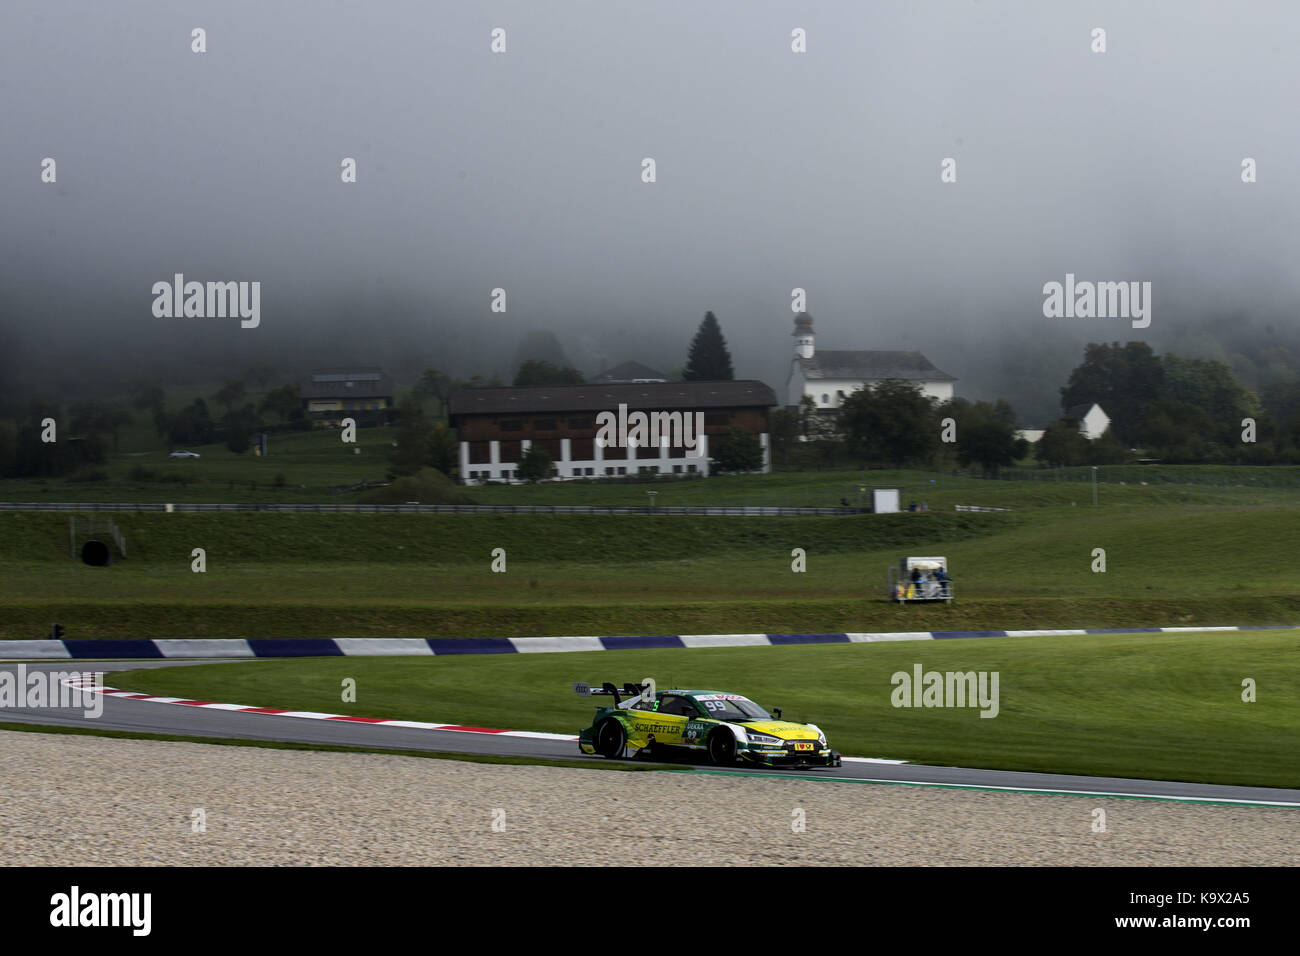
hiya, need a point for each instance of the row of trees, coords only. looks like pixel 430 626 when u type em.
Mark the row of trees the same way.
pixel 893 423
pixel 1171 408
pixel 194 424
pixel 1179 410
pixel 541 362
pixel 85 432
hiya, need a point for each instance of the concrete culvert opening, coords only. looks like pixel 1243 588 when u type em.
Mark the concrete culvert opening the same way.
pixel 96 554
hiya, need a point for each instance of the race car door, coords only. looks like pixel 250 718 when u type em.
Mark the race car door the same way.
pixel 669 721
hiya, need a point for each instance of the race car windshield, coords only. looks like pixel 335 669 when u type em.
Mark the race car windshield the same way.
pixel 732 708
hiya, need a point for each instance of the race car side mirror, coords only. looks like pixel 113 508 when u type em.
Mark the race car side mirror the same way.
pixel 777 711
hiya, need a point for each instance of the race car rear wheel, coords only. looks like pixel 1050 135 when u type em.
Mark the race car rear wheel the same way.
pixel 722 747
pixel 611 739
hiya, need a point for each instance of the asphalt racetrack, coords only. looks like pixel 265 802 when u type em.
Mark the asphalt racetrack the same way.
pixel 149 717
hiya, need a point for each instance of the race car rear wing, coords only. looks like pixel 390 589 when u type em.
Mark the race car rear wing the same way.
pixel 644 690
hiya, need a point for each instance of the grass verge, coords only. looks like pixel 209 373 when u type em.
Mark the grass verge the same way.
pixel 1149 706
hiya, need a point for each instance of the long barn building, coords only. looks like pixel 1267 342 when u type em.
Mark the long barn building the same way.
pixel 495 426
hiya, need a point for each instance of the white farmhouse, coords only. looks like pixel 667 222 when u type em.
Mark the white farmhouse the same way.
pixel 1092 421
pixel 830 377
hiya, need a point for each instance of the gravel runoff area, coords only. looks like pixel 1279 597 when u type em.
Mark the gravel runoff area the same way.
pixel 89 801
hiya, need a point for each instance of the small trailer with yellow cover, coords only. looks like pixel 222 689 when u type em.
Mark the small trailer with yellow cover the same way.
pixel 920 579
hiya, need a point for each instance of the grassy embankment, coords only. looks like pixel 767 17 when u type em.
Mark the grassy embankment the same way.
pixel 1208 549
pixel 1174 555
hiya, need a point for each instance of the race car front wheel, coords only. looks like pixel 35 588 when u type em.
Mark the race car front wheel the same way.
pixel 722 747
pixel 611 739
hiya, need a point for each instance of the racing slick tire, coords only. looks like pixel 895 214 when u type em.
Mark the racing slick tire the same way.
pixel 611 739
pixel 722 747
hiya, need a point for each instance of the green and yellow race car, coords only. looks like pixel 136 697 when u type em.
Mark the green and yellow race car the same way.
pixel 728 728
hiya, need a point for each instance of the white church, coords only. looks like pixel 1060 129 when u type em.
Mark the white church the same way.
pixel 829 377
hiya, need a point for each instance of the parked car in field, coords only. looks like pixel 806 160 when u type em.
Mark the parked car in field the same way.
pixel 184 454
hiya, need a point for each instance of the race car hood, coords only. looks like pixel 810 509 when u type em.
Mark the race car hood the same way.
pixel 785 729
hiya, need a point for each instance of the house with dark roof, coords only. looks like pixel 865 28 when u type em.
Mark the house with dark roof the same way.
pixel 829 377
pixel 496 426
pixel 630 372
pixel 331 394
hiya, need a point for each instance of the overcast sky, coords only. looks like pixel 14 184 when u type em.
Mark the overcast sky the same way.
pixel 522 170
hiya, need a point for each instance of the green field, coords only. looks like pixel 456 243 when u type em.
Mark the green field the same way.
pixel 1153 706
pixel 314 465
pixel 1182 554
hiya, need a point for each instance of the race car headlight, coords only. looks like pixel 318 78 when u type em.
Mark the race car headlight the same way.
pixel 767 739
pixel 821 734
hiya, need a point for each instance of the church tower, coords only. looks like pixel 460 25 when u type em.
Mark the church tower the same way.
pixel 803 336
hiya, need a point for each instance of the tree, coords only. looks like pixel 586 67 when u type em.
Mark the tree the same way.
pixel 422 443
pixel 784 427
pixel 115 418
pixel 1123 380
pixel 92 423
pixel 543 345
pixel 34 458
pixel 892 421
pixel 1062 444
pixel 230 393
pixel 1209 386
pixel 985 437
pixel 535 464
pixel 240 426
pixel 535 373
pixel 282 402
pixel 414 434
pixel 192 425
pixel 1003 412
pixel 436 385
pixel 1108 450
pixel 737 451
pixel 146 396
pixel 1176 431
pixel 708 359
pixel 444 451
pixel 817 426
pixel 817 441
pixel 1281 402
